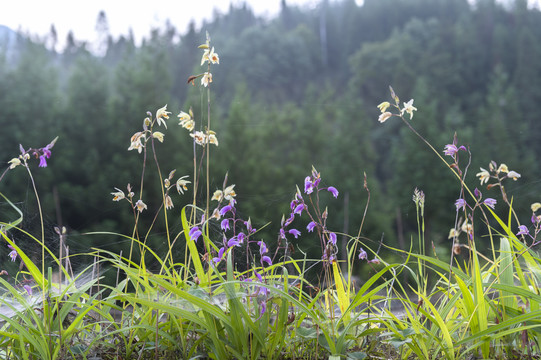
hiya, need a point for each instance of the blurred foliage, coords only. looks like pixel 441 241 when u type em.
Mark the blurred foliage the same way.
pixel 297 90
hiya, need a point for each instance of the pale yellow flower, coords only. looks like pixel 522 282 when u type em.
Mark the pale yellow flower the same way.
pixel 140 205
pixel 210 56
pixel 212 138
pixel 186 121
pixel 536 206
pixel 168 202
pixel 218 195
pixel 467 227
pixel 14 163
pixel 199 137
pixel 118 195
pixel 513 175
pixel 409 108
pixel 229 193
pixel 383 117
pixel 161 114
pixel 136 142
pixel 484 176
pixel 158 135
pixel 383 106
pixel 206 79
pixel 452 233
pixel 181 184
pixel 502 168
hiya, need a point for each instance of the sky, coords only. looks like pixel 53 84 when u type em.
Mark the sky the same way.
pixel 36 16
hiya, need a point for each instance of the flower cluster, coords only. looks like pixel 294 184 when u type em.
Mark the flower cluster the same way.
pixel 384 106
pixel 42 154
pixel 536 223
pixel 497 173
pixel 139 139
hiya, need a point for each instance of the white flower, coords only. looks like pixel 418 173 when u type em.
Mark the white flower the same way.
pixel 206 79
pixel 384 116
pixel 513 175
pixel 409 108
pixel 484 176
pixel 162 113
pixel 140 205
pixel 118 195
pixel 14 162
pixel 181 184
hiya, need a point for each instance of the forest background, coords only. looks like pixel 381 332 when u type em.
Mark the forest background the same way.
pixel 291 92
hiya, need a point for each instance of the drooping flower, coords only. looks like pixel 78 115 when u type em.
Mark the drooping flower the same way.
pixel 523 230
pixel 295 233
pixel 195 233
pixel 14 163
pixel 409 108
pixel 308 185
pixel 362 254
pixel 136 141
pixel 490 202
pixel 224 225
pixel 220 255
pixel 225 210
pixel 535 206
pixel 234 241
pixel 140 205
pixel 332 238
pixel 383 106
pixel 168 202
pixel 42 161
pixel 206 79
pixel 484 176
pixel 333 191
pixel 311 226
pixel 266 259
pixel 460 203
pixel 13 253
pixel 161 114
pixel 262 247
pixel 181 184
pixel 298 209
pixel 28 289
pixel 383 117
pixel 158 135
pixel 513 175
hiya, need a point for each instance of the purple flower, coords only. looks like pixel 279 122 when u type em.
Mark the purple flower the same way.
pixel 248 225
pixel 241 237
pixel 298 209
pixel 294 232
pixel 308 185
pixel 333 190
pixel 282 233
pixel 195 233
pixel 374 261
pixel 225 224
pixel 363 255
pixel 460 203
pixel 233 242
pixel 311 226
pixel 477 193
pixel 490 202
pixel 42 161
pixel 523 230
pixel 262 247
pixel 28 289
pixel 263 308
pixel 225 209
pixel 258 276
pixel 290 219
pixel 220 256
pixel 13 254
pixel 450 149
pixel 332 238
pixel 266 259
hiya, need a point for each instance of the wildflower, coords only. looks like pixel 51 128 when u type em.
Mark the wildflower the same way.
pixel 262 247
pixel 409 108
pixel 225 209
pixel 383 117
pixel 14 163
pixel 375 261
pixel 224 225
pixel 490 202
pixel 484 176
pixel 211 137
pixel 136 142
pixel 199 137
pixel 234 241
pixel 140 205
pixel 218 195
pixel 332 238
pixel 158 135
pixel 195 233
pixel 266 259
pixel 362 254
pixel 298 209
pixel 450 150
pixel 523 230
pixel 453 233
pixel 42 161
pixel 229 193
pixel 168 202
pixel 536 206
pixel 206 79
pixel 513 175
pixel 13 253
pixel 186 121
pixel 162 113
pixel 502 168
pixel 28 289
pixel 383 106
pixel 249 227
pixel 478 194
pixel 210 56
pixel 308 185
pixel 418 197
pixel 311 226
pixel 181 184
pixel 333 191
pixel 295 233
pixel 460 203
pixel 118 195
pixel 220 256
